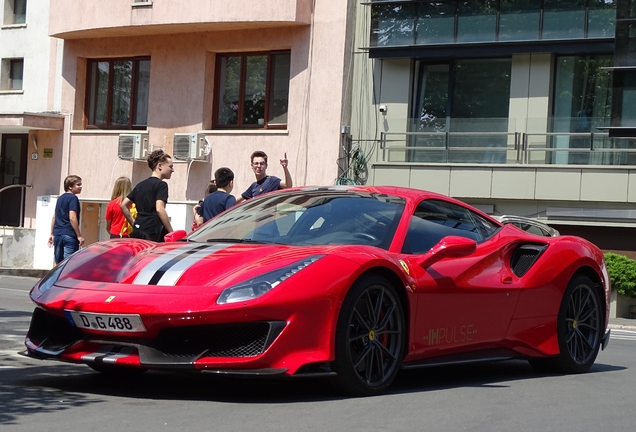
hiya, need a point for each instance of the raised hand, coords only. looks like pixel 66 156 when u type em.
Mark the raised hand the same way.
pixel 284 162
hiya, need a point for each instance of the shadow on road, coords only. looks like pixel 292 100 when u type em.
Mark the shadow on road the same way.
pixel 51 387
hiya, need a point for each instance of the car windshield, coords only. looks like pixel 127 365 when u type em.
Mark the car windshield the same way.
pixel 316 217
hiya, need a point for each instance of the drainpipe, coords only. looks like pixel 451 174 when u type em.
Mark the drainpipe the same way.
pixel 67 144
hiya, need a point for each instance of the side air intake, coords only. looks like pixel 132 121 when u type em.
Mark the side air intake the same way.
pixel 525 256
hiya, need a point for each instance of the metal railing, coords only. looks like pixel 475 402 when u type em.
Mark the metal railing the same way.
pixel 23 187
pixel 451 147
pixel 528 148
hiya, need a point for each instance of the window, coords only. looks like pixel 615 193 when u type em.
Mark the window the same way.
pixel 253 90
pixel 433 220
pixel 14 12
pixel 424 22
pixel 465 95
pixel 117 93
pixel 582 103
pixel 11 76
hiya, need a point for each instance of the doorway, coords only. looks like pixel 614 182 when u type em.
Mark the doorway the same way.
pixel 13 163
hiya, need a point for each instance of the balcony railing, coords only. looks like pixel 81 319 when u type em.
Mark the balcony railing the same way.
pixel 507 148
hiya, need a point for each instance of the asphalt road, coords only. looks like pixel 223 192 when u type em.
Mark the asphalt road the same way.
pixel 504 396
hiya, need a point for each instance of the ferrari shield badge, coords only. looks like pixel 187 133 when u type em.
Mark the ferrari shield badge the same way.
pixel 405 266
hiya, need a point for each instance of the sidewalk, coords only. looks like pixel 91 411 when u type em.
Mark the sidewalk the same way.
pixel 622 324
pixel 23 272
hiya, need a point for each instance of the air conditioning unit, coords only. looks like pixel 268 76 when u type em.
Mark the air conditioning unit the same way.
pixel 190 147
pixel 133 146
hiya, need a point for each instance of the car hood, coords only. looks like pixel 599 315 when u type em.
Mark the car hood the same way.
pixel 137 265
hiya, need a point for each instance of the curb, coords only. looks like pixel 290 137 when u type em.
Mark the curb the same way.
pixel 621 327
pixel 23 272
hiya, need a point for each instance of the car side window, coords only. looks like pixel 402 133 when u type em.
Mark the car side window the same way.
pixel 487 228
pixel 532 229
pixel 433 220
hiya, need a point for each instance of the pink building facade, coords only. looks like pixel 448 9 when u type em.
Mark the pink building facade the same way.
pixel 228 78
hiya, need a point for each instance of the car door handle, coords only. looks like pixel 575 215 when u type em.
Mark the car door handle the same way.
pixel 506 279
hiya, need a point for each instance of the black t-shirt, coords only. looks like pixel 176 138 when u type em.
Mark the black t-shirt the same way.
pixel 145 195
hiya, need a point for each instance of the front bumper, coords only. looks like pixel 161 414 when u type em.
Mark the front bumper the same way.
pixel 226 348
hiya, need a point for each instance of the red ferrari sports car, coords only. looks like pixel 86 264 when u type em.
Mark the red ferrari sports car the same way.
pixel 354 283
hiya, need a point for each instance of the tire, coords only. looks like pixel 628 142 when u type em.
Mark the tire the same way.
pixel 579 329
pixel 370 337
pixel 113 371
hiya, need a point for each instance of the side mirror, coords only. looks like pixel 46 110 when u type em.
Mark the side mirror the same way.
pixel 175 236
pixel 448 247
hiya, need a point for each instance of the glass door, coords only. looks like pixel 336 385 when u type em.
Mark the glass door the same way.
pixel 13 154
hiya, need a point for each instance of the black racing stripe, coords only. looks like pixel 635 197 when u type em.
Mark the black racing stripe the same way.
pixel 115 350
pixel 154 280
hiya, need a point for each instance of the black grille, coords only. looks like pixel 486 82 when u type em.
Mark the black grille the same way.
pixel 220 340
pixel 52 333
pixel 525 256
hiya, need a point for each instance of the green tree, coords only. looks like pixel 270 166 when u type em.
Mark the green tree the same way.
pixel 622 272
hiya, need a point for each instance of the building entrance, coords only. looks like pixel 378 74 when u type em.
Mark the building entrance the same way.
pixel 13 162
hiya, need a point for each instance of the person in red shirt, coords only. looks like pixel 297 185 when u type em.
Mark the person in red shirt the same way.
pixel 115 219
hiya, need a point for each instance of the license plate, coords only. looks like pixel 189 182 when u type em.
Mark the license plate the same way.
pixel 106 322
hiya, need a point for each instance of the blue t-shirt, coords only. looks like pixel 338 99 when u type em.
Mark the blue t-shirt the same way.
pixel 264 185
pixel 65 203
pixel 215 203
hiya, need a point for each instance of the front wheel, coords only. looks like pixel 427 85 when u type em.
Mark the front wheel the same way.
pixel 370 337
pixel 579 329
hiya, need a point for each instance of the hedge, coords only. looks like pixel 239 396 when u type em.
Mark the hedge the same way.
pixel 622 272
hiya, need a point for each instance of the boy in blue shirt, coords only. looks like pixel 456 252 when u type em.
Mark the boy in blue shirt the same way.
pixel 66 237
pixel 219 200
pixel 265 183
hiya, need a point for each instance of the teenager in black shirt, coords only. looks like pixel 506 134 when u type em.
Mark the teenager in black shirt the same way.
pixel 150 197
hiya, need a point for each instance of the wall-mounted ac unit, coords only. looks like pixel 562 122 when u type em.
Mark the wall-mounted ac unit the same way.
pixel 133 146
pixel 189 147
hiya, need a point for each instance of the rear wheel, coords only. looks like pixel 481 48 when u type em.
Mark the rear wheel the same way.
pixel 579 329
pixel 370 337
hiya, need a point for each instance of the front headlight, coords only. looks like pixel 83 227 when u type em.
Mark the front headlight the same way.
pixel 47 281
pixel 259 285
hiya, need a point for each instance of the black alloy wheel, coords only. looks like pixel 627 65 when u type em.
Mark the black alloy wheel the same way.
pixel 579 329
pixel 370 337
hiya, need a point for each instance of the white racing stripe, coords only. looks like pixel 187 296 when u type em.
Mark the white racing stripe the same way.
pixel 103 351
pixel 146 273
pixel 108 354
pixel 112 358
pixel 175 272
pixel 162 272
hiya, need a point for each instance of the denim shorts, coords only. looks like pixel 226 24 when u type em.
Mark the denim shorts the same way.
pixel 64 246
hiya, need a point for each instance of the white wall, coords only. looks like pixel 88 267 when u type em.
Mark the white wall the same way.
pixel 31 42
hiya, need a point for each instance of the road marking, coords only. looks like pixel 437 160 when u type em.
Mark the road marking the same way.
pixel 11 337
pixel 15 319
pixel 25 291
pixel 623 334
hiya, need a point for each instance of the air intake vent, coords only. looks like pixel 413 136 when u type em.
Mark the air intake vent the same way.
pixel 189 147
pixel 525 256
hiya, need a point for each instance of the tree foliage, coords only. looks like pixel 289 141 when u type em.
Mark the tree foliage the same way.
pixel 622 272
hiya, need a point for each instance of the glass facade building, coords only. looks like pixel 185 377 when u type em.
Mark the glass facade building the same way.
pixel 467 79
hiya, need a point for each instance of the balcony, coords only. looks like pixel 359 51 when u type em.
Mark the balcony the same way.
pixel 70 19
pixel 494 159
pixel 507 148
